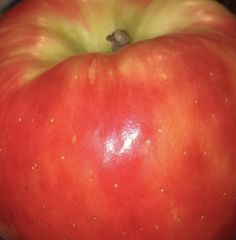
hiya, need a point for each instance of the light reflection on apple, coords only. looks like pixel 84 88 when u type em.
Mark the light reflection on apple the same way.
pixel 121 142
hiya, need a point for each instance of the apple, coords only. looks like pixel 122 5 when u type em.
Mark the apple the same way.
pixel 118 120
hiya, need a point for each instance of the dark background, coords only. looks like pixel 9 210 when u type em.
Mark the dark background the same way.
pixel 230 4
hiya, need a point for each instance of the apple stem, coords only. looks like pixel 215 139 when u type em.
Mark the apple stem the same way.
pixel 119 39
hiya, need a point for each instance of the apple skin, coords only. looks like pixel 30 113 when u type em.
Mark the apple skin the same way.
pixel 139 144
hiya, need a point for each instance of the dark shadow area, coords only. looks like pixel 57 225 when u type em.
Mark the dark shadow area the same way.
pixel 4 6
pixel 229 232
pixel 230 4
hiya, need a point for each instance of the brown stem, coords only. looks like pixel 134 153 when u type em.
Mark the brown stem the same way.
pixel 119 39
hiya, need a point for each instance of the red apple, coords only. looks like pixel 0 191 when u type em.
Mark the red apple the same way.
pixel 106 142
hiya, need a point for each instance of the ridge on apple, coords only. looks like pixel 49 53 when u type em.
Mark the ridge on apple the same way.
pixel 118 120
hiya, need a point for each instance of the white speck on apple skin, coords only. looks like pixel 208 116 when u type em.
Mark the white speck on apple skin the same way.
pixel 91 180
pixel 76 76
pixel 213 115
pixel 185 153
pixel 164 76
pixel 35 166
pixel 74 139
pixel 177 220
pixel 19 119
pixel 202 217
pixel 205 153
pixel 110 72
pixel 196 101
pixel 210 73
pixel 115 185
pixel 162 190
pixel 43 206
pixel 159 130
pixel 52 120
pixel 159 57
pixel 73 225
pixel 147 145
pixel 224 194
pixel 226 99
pixel 157 227
pixel 62 157
pixel 0 150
